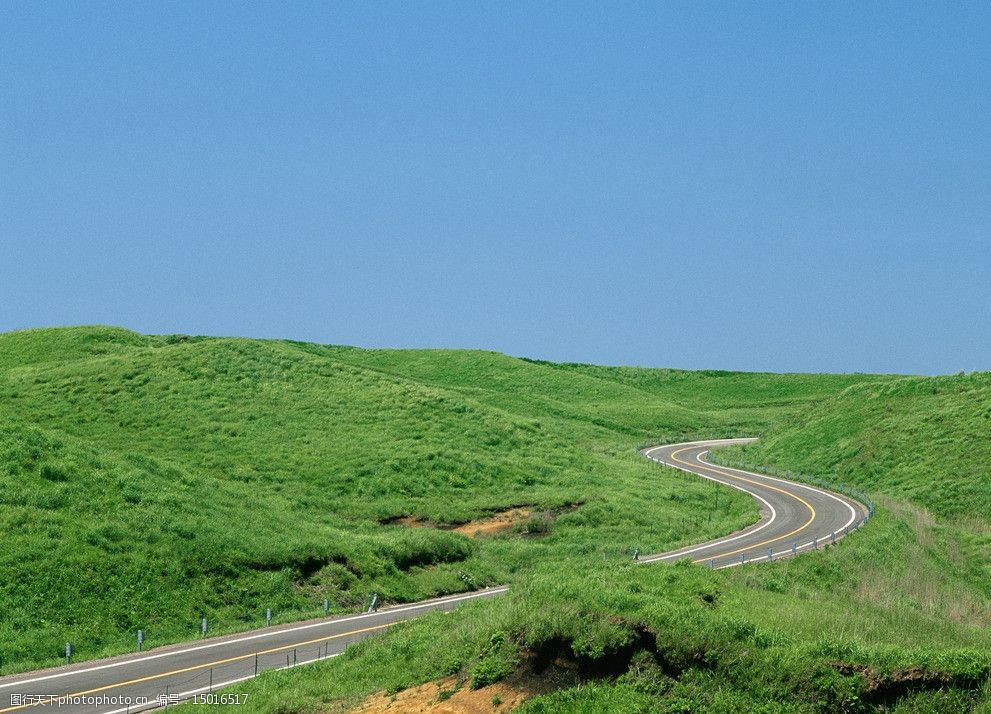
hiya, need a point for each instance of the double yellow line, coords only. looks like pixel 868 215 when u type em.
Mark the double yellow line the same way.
pixel 812 511
pixel 215 663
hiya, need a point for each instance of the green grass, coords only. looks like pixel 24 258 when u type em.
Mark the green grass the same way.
pixel 146 482
pixel 665 639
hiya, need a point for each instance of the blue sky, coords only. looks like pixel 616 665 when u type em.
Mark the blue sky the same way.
pixel 787 187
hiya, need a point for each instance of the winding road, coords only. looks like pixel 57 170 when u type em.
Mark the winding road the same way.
pixel 794 518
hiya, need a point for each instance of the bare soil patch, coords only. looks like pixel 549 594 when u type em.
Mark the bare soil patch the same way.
pixel 528 522
pixel 498 522
pixel 448 696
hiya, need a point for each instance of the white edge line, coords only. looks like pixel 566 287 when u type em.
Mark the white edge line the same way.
pixel 220 643
pixel 698 457
pixel 718 541
pixel 153 704
pixel 820 491
pixel 787 552
pixel 804 546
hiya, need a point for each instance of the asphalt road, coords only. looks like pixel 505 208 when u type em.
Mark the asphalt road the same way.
pixel 135 682
pixel 794 518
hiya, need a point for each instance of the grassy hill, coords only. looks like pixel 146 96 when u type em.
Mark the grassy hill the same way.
pixel 149 481
pixel 925 439
pixel 897 618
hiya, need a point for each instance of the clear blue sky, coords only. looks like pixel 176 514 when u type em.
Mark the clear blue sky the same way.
pixel 793 186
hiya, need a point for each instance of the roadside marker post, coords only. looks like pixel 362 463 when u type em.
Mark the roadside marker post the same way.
pixel 712 565
pixel 832 537
pixel 815 542
pixel 636 554
pixel 141 639
pixel 68 653
pixel 268 616
pixel 326 607
pixel 770 555
pixel 203 627
pixel 375 603
pixel 743 557
pixel 794 549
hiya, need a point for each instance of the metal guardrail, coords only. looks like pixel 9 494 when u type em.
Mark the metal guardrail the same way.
pixel 203 628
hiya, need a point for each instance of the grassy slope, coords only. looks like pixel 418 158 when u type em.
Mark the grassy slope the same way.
pixel 904 603
pixel 210 455
pixel 921 446
pixel 152 481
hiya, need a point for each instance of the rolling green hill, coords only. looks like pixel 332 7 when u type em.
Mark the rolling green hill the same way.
pixel 149 481
pixel 926 439
pixel 146 482
pixel 897 618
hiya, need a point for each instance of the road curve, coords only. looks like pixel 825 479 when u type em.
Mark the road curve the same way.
pixel 794 518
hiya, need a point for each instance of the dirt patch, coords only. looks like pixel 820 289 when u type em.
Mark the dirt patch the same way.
pixel 498 522
pixel 448 696
pixel 529 523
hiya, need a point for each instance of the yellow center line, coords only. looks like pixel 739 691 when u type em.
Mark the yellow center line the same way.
pixel 674 456
pixel 199 666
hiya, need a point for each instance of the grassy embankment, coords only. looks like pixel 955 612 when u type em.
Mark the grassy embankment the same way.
pixel 896 618
pixel 146 482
